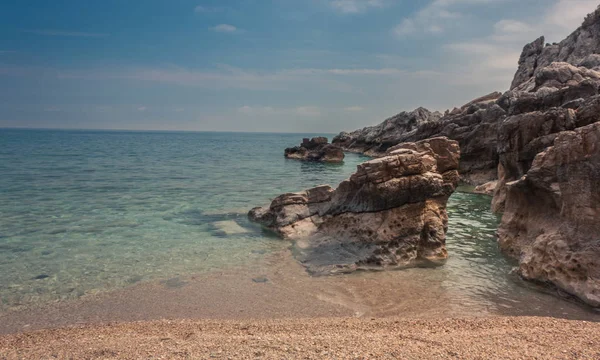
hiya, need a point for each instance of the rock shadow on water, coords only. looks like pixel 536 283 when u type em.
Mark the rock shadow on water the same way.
pixel 325 255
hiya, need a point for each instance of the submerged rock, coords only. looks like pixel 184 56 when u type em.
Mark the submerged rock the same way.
pixel 315 149
pixel 393 208
pixel 552 218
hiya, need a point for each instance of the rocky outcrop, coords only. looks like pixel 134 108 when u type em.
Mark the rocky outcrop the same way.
pixel 558 103
pixel 315 149
pixel 375 140
pixel 474 125
pixel 393 208
pixel 487 188
pixel 552 218
pixel 581 48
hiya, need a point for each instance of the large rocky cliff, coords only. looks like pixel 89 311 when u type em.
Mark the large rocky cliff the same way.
pixel 476 125
pixel 540 140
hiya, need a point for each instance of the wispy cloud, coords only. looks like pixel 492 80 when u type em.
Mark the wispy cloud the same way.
pixel 436 17
pixel 230 77
pixel 224 28
pixel 141 108
pixel 493 58
pixel 355 6
pixel 49 32
pixel 354 108
pixel 308 111
pixel 207 9
pixel 304 111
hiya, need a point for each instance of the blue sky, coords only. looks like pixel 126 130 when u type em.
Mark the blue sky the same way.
pixel 259 65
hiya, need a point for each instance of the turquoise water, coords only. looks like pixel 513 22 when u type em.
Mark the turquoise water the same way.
pixel 85 211
pixel 89 211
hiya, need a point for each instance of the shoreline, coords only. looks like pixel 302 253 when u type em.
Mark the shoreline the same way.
pixel 280 288
pixel 316 338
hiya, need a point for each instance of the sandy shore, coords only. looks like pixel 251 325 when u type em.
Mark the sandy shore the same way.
pixel 345 338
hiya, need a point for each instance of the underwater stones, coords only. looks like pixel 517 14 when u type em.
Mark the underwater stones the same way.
pixel 394 206
pixel 229 228
pixel 315 149
pixel 551 222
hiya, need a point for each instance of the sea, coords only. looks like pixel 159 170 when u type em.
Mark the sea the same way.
pixel 85 212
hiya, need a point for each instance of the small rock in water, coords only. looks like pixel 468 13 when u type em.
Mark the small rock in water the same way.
pixel 260 252
pixel 260 279
pixel 41 277
pixel 228 228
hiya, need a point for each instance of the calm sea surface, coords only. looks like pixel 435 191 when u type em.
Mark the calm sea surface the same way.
pixel 89 211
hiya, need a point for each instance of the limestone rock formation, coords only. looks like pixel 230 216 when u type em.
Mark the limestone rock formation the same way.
pixel 486 189
pixel 374 140
pixel 535 118
pixel 315 149
pixel 552 218
pixel 474 125
pixel 393 208
pixel 581 48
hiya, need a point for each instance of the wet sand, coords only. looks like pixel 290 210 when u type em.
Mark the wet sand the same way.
pixel 276 310
pixel 484 338
pixel 279 288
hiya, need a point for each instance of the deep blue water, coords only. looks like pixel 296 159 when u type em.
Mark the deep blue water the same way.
pixel 89 211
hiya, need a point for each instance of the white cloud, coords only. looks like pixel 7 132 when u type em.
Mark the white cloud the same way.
pixel 354 108
pixel 355 6
pixel 304 111
pixel 142 108
pixel 364 71
pixel 224 28
pixel 256 110
pixel 308 111
pixel 436 17
pixel 226 77
pixel 564 16
pixel 406 27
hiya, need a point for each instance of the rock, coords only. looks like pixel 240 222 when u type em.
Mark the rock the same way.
pixel 393 208
pixel 551 222
pixel 528 62
pixel 578 49
pixel 486 189
pixel 229 228
pixel 474 126
pixel 315 149
pixel 375 140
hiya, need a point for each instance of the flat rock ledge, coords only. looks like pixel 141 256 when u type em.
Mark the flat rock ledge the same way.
pixel 316 149
pixel 392 211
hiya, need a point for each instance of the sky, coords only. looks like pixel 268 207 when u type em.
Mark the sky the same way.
pixel 259 65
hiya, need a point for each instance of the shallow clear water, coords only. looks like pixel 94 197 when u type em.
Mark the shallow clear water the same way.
pixel 87 211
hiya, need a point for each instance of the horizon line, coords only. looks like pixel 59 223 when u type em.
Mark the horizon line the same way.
pixel 162 130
